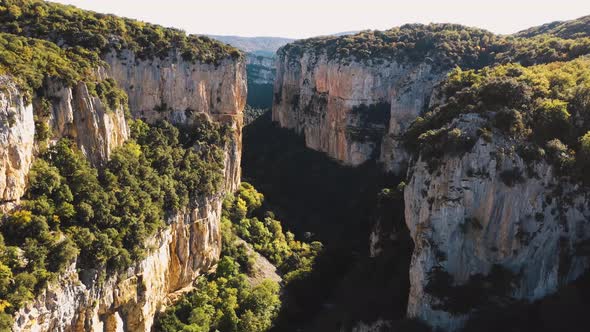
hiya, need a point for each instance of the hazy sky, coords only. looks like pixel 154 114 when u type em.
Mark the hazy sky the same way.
pixel 306 18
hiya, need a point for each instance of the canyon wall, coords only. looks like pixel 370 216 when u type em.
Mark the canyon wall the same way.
pixel 190 244
pixel 261 69
pixel 179 91
pixel 489 227
pixel 72 112
pixel 261 76
pixel 129 301
pixel 489 221
pixel 17 138
pixel 353 111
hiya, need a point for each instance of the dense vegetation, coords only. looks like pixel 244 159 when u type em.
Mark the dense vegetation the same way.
pixel 443 45
pixel 226 301
pixel 103 216
pixel 30 61
pixel 544 110
pixel 74 28
pixel 577 28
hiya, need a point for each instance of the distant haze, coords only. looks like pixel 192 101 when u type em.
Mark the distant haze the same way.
pixel 258 45
pixel 306 18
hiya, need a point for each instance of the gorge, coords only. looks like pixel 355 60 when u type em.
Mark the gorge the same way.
pixel 422 178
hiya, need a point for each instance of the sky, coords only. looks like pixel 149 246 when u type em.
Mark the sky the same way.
pixel 307 18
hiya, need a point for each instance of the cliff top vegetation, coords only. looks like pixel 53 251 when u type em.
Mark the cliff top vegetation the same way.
pixel 544 109
pixel 71 27
pixel 442 45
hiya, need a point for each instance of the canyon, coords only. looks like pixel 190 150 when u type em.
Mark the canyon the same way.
pixel 470 226
pixel 433 192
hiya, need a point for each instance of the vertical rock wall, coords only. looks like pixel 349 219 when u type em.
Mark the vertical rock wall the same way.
pixel 352 111
pixel 191 244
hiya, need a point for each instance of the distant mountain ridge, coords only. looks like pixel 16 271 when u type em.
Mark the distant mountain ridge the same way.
pixel 258 45
pixel 571 29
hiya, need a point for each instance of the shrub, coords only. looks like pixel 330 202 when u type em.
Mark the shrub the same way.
pixel 551 120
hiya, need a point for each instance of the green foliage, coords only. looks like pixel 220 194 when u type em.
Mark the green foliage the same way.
pixel 577 28
pixel 542 105
pixel 109 93
pixel 443 45
pixel 30 61
pixel 293 258
pixel 99 33
pixel 251 113
pixel 225 301
pixel 104 216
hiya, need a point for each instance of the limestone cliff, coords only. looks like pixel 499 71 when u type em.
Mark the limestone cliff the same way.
pixel 353 111
pixel 178 91
pixel 189 246
pixel 261 69
pixel 191 243
pixel 86 119
pixel 261 75
pixel 72 112
pixel 17 138
pixel 490 227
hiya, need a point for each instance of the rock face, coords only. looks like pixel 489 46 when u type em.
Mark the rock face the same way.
pixel 178 91
pixel 485 211
pixel 75 113
pixel 261 69
pixel 17 139
pixel 72 112
pixel 261 76
pixel 191 244
pixel 352 111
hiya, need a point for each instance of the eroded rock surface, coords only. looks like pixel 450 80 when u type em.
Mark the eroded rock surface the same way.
pixel 487 216
pixel 352 111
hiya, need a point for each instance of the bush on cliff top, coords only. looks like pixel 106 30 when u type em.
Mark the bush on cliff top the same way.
pixel 442 45
pixel 537 104
pixel 104 216
pixel 31 61
pixel 71 27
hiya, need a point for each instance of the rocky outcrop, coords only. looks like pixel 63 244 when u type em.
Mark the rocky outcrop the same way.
pixel 489 221
pixel 179 91
pixel 17 139
pixel 353 111
pixel 261 76
pixel 128 301
pixel 70 112
pixel 86 119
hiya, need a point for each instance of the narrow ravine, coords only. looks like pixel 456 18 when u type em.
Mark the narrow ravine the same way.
pixel 317 198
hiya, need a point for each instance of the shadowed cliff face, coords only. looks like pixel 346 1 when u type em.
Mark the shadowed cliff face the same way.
pixel 352 111
pixel 336 205
pixel 191 243
pixel 490 228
